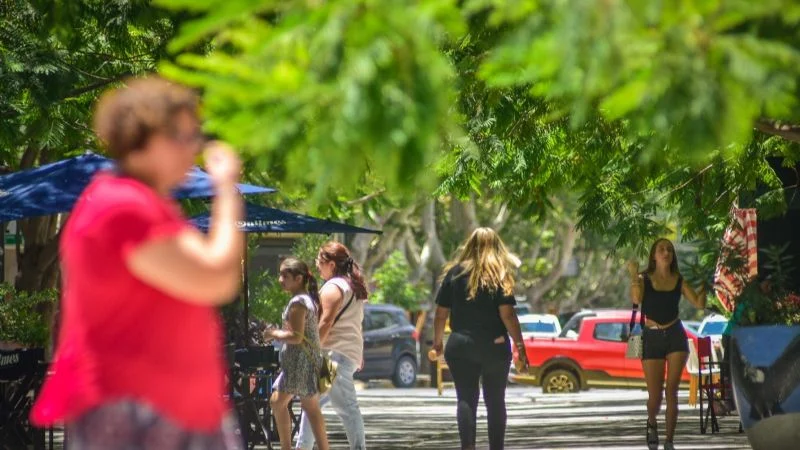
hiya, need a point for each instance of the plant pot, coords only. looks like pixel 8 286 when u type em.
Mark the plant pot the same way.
pixel 765 370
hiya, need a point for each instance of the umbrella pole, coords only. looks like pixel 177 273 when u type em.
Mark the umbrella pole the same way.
pixel 246 294
pixel 2 252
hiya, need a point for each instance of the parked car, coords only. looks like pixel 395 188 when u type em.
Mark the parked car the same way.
pixel 539 325
pixel 570 329
pixel 595 357
pixel 522 309
pixel 391 346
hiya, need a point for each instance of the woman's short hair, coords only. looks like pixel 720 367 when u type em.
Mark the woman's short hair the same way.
pixel 126 117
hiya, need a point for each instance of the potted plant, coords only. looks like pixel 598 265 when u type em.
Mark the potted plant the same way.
pixel 765 354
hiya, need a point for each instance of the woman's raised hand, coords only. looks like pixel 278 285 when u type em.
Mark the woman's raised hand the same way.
pixel 222 163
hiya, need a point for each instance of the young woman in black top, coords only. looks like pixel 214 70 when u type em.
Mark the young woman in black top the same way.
pixel 658 289
pixel 477 295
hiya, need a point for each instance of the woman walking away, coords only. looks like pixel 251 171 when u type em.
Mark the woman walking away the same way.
pixel 301 358
pixel 139 362
pixel 658 290
pixel 477 295
pixel 342 296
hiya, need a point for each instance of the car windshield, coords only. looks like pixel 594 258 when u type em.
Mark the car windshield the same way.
pixel 713 328
pixel 538 327
pixel 522 310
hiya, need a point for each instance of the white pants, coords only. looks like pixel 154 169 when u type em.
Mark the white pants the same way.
pixel 342 397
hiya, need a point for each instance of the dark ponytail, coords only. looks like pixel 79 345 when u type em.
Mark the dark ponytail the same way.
pixel 346 267
pixel 313 292
pixel 296 267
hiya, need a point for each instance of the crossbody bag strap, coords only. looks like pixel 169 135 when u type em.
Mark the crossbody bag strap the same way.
pixel 310 355
pixel 634 308
pixel 339 316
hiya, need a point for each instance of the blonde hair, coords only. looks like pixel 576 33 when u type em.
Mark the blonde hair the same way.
pixel 488 262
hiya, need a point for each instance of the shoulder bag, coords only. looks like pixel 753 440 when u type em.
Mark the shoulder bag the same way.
pixel 635 345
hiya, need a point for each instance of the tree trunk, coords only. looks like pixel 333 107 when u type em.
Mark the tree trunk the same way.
pixel 38 260
pixel 538 290
pixel 432 253
pixel 500 219
pixel 359 247
pixel 465 216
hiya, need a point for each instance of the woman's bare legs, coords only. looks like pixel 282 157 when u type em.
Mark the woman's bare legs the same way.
pixel 279 401
pixel 676 361
pixel 312 409
pixel 654 377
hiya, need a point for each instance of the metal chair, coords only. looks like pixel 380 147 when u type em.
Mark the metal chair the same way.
pixel 21 376
pixel 710 388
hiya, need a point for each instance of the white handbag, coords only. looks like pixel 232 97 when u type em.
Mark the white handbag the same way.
pixel 635 345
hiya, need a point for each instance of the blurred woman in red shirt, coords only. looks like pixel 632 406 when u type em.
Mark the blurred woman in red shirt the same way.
pixel 139 362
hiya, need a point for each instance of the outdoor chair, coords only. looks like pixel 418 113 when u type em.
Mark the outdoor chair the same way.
pixel 711 389
pixel 21 375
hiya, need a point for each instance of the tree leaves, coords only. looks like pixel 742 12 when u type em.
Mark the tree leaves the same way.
pixel 329 91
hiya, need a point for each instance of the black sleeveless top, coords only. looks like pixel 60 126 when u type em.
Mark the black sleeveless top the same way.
pixel 661 306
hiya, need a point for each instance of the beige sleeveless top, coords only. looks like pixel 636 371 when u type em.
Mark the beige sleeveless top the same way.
pixel 345 336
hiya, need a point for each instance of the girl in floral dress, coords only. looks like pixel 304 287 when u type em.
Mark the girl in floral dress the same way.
pixel 300 357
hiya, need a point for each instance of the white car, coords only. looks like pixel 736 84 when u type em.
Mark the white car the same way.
pixel 539 325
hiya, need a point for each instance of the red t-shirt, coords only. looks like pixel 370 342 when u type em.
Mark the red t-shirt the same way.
pixel 121 338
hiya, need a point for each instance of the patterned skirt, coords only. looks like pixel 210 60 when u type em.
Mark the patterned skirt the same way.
pixel 298 372
pixel 128 425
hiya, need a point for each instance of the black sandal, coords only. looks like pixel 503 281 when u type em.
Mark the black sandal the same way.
pixel 652 436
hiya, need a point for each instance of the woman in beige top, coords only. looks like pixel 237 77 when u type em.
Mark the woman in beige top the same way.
pixel 342 296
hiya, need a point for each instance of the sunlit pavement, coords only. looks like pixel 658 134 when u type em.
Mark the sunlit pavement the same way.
pixel 595 419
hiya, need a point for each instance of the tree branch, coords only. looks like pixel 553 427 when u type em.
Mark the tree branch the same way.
pixel 364 199
pixel 570 237
pixel 100 84
pixel 787 131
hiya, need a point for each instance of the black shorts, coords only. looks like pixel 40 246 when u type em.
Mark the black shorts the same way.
pixel 658 343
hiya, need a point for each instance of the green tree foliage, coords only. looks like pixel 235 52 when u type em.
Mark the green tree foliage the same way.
pixel 690 77
pixel 637 106
pixel 24 316
pixel 392 284
pixel 326 90
pixel 56 57
pixel 267 298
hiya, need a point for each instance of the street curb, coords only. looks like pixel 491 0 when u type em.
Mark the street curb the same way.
pixel 423 380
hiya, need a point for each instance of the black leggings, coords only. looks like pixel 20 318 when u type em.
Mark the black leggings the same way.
pixel 492 372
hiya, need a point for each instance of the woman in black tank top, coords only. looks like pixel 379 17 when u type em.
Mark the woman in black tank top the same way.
pixel 658 290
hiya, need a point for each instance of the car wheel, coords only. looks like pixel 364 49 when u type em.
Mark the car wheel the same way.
pixel 560 381
pixel 405 373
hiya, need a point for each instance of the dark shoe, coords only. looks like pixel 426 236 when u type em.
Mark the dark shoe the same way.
pixel 652 436
pixel 669 446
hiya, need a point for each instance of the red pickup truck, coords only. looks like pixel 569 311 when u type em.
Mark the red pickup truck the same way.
pixel 590 352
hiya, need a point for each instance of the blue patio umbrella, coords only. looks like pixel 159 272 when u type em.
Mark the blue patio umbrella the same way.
pixel 262 219
pixel 54 188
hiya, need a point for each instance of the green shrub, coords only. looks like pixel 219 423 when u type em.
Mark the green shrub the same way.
pixel 24 317
pixel 393 287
